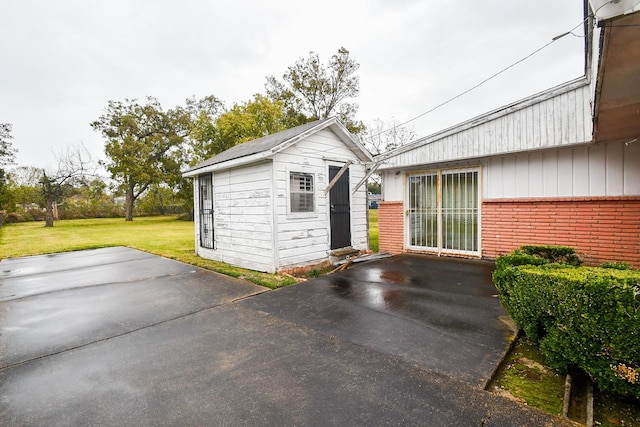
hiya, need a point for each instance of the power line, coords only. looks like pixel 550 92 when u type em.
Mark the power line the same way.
pixel 493 76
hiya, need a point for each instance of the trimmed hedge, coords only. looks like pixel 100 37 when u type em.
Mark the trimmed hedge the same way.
pixel 585 318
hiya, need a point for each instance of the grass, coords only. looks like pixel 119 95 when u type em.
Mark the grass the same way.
pixel 164 236
pixel 373 230
pixel 525 378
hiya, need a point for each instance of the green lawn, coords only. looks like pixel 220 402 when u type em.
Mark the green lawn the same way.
pixel 164 236
pixel 373 230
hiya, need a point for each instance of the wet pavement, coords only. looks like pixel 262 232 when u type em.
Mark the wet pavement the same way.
pixel 120 337
pixel 441 314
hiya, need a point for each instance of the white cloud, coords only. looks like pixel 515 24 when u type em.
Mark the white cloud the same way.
pixel 62 61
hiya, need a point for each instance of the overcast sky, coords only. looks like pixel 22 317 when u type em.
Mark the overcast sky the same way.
pixel 62 61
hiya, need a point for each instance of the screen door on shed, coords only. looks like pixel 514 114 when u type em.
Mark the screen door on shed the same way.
pixel 443 211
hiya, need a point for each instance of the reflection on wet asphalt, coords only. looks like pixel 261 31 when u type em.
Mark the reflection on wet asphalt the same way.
pixel 441 313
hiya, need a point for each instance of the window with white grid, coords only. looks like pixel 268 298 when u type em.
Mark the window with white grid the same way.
pixel 301 192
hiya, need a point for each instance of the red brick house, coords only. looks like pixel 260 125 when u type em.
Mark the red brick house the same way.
pixel 560 167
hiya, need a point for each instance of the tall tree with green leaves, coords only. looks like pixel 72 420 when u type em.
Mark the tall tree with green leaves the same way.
pixel 144 145
pixel 211 134
pixel 251 120
pixel 310 90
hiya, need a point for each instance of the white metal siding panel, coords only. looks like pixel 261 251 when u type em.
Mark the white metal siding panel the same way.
pixel 632 168
pixel 614 158
pixel 522 175
pixel 492 183
pixel 560 120
pixel 536 175
pixel 580 172
pixel 565 173
pixel 597 170
pixel 392 186
pixel 611 169
pixel 549 174
pixel 509 176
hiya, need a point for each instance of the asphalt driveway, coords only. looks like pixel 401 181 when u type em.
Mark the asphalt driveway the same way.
pixel 120 337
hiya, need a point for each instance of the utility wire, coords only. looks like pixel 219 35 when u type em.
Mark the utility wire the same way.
pixel 442 104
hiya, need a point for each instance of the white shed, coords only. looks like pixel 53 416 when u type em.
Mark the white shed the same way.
pixel 283 201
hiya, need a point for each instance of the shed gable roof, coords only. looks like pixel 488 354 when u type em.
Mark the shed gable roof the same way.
pixel 270 144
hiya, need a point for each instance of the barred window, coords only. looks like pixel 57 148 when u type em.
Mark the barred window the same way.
pixel 301 192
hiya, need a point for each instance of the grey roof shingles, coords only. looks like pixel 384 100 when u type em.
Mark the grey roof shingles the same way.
pixel 257 145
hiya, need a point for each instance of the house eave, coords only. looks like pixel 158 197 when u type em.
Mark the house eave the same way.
pixel 617 89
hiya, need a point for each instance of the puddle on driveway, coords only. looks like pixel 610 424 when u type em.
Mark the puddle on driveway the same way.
pixel 373 295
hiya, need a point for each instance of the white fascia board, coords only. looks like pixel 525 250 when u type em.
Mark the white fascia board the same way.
pixel 233 163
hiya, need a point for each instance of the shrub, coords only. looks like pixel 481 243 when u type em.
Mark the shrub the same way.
pixel 554 254
pixel 585 318
pixel 618 265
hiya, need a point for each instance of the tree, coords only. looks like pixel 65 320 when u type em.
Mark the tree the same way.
pixel 251 120
pixel 74 166
pixel 311 91
pixel 144 145
pixel 211 134
pixel 7 152
pixel 24 187
pixel 380 137
pixel 203 134
pixel 7 157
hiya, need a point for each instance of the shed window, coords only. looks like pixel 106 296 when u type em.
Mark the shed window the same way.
pixel 301 192
pixel 205 184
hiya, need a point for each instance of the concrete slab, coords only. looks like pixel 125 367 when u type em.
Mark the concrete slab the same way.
pixel 438 313
pixel 70 307
pixel 23 277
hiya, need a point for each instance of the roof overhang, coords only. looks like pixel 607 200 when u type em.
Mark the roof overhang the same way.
pixel 617 92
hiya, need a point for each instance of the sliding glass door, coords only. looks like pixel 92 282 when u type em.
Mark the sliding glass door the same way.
pixel 443 211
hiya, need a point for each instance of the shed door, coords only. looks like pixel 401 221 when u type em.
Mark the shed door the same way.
pixel 340 216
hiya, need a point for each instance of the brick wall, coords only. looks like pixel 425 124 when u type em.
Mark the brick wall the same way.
pixel 600 228
pixel 391 227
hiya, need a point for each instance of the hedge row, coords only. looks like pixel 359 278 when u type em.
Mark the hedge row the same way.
pixel 584 318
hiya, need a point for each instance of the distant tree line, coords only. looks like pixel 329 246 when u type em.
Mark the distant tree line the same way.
pixel 148 147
